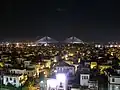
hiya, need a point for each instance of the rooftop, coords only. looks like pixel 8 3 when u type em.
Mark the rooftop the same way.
pixel 30 68
pixel 85 71
pixel 12 75
pixel 112 73
pixel 117 68
pixel 62 64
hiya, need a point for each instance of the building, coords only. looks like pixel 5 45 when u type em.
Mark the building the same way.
pixel 84 76
pixel 27 63
pixel 63 67
pixel 93 83
pixel 16 80
pixel 17 71
pixel 57 83
pixel 113 79
pixel 30 72
pixel 88 78
pixel 113 76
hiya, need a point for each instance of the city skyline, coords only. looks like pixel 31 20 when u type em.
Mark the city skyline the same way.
pixel 61 40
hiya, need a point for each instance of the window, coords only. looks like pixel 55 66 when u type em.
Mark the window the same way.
pixel 84 77
pixel 61 86
pixel 14 80
pixel 113 80
pixel 113 87
pixel 10 78
pixel 6 79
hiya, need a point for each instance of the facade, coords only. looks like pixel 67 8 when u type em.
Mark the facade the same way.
pixel 15 80
pixel 30 71
pixel 63 67
pixel 27 63
pixel 93 85
pixel 58 83
pixel 113 76
pixel 8 65
pixel 113 87
pixel 113 79
pixel 17 71
pixel 84 79
pixel 88 80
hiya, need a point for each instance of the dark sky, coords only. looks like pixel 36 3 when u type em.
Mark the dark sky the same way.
pixel 89 20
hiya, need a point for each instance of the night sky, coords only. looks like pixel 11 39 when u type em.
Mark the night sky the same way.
pixel 89 20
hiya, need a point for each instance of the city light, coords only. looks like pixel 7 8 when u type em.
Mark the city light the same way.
pixel 111 45
pixel 66 56
pixel 55 71
pixel 41 82
pixel 52 83
pixel 55 60
pixel 45 44
pixel 61 77
pixel 7 44
pixel 17 44
pixel 71 54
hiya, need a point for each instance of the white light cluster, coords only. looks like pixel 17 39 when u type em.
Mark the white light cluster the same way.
pixel 52 83
pixel 61 77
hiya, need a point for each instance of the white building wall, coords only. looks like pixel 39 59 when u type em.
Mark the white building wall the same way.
pixel 11 80
pixel 75 88
pixel 115 81
pixel 84 81
pixel 113 87
pixel 118 71
pixel 62 69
